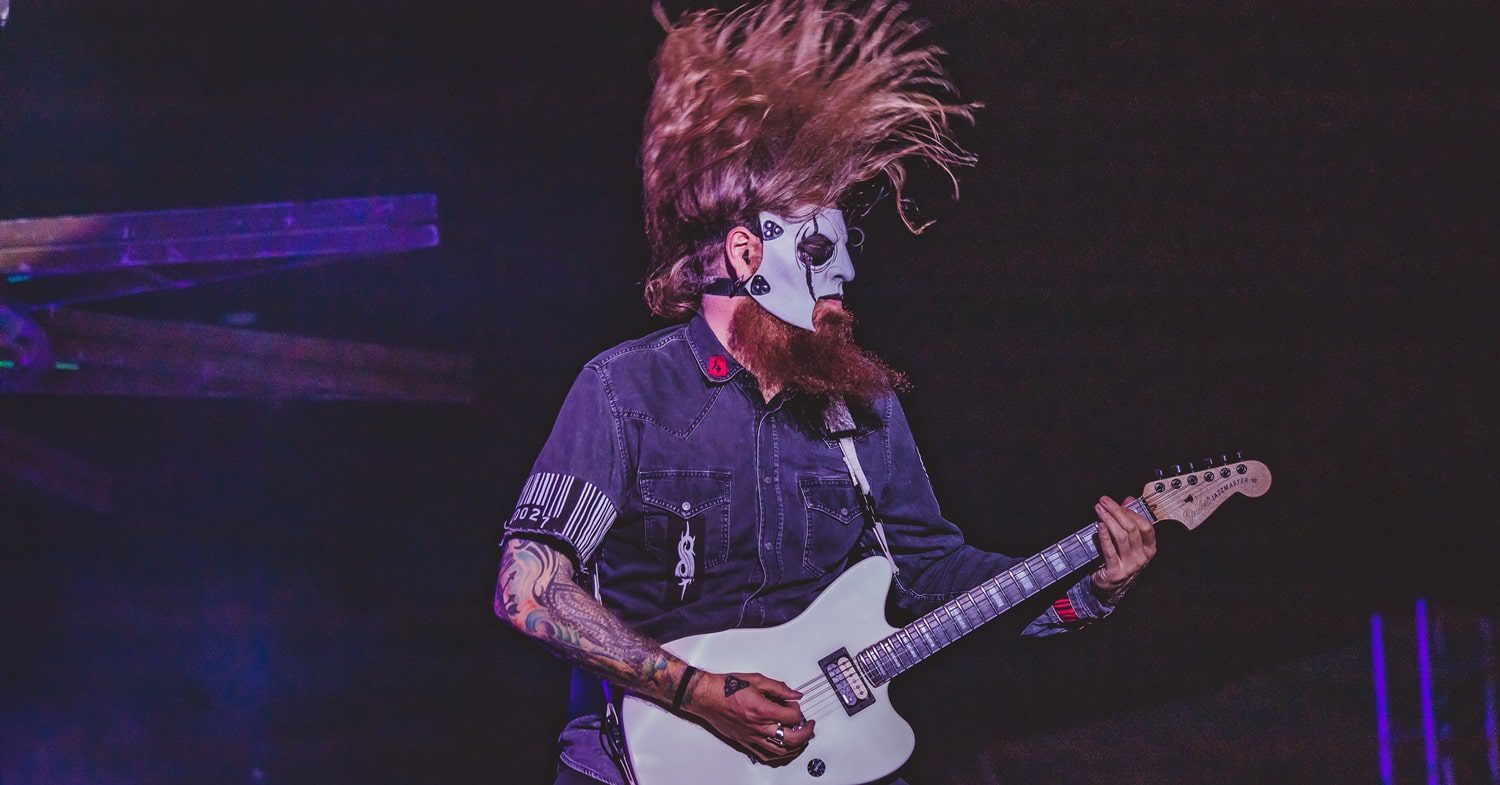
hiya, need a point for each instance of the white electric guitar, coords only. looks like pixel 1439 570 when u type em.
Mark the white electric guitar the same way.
pixel 841 654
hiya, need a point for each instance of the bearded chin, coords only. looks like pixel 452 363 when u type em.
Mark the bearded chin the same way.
pixel 824 363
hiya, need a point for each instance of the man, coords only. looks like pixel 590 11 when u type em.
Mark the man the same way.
pixel 696 472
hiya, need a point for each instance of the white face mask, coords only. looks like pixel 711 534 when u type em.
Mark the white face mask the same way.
pixel 797 268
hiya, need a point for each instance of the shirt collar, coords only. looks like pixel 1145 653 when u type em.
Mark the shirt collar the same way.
pixel 713 359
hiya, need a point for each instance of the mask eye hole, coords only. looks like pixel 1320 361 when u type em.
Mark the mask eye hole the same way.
pixel 815 250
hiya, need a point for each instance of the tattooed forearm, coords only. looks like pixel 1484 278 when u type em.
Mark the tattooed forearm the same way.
pixel 536 593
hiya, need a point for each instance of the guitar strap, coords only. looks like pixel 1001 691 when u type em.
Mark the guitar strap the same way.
pixel 840 424
pixel 611 731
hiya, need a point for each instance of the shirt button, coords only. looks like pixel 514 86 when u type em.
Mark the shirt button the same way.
pixel 767 546
pixel 687 506
pixel 768 479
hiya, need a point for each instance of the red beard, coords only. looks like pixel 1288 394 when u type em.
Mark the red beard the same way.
pixel 825 363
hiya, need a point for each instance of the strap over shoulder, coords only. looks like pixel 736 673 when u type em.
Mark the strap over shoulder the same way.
pixel 840 424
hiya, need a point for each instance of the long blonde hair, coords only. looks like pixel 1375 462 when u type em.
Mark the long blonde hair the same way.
pixel 784 104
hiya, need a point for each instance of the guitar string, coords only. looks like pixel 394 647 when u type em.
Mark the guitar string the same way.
pixel 818 694
pixel 817 691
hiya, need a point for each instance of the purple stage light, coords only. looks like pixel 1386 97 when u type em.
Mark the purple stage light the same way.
pixel 1491 732
pixel 1382 700
pixel 1424 681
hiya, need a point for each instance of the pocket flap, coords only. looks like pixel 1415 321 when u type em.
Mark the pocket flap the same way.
pixel 684 493
pixel 837 499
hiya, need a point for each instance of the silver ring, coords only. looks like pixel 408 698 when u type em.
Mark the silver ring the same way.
pixel 779 737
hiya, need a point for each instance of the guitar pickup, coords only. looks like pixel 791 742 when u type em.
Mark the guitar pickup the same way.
pixel 848 683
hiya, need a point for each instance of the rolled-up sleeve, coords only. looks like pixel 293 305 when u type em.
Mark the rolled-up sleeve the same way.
pixel 573 493
pixel 935 563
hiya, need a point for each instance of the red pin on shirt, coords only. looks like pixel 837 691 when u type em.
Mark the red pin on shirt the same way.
pixel 718 367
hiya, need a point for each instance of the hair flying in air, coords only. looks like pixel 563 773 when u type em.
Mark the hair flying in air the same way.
pixel 779 106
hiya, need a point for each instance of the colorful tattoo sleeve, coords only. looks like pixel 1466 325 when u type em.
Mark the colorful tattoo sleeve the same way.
pixel 537 594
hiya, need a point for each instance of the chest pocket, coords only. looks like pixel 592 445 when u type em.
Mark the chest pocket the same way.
pixel 834 522
pixel 693 502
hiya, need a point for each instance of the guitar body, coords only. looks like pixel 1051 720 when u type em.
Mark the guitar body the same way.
pixel 859 737
pixel 850 615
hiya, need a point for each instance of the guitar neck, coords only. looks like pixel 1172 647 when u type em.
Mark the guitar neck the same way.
pixel 932 632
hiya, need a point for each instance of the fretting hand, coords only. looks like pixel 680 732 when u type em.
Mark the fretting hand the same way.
pixel 1127 541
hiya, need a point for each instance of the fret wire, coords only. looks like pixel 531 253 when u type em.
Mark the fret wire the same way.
pixel 1088 544
pixel 924 631
pixel 931 634
pixel 970 617
pixel 925 627
pixel 1085 540
pixel 992 590
pixel 942 623
pixel 952 626
pixel 1012 592
pixel 982 604
pixel 1055 562
pixel 1040 569
pixel 911 648
pixel 985 600
pixel 961 623
pixel 940 629
pixel 966 607
pixel 1023 576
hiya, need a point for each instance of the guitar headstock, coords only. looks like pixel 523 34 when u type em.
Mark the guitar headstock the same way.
pixel 1190 496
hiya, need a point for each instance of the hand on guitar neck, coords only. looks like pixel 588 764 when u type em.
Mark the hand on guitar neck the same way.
pixel 747 709
pixel 1127 541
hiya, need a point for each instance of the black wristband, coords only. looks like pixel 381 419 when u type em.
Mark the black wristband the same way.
pixel 682 687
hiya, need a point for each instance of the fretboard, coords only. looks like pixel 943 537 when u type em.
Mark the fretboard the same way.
pixel 983 603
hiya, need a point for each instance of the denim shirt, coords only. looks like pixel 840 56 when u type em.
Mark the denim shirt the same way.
pixel 703 507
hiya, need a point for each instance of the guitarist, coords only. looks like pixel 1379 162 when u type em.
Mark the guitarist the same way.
pixel 689 471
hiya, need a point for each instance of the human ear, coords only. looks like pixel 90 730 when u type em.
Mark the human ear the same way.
pixel 742 252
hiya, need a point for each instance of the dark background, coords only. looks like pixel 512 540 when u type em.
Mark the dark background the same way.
pixel 1193 228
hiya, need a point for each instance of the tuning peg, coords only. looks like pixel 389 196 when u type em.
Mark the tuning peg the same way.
pixel 1160 474
pixel 1191 467
pixel 1177 468
pixel 1209 462
pixel 1224 458
pixel 1239 456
